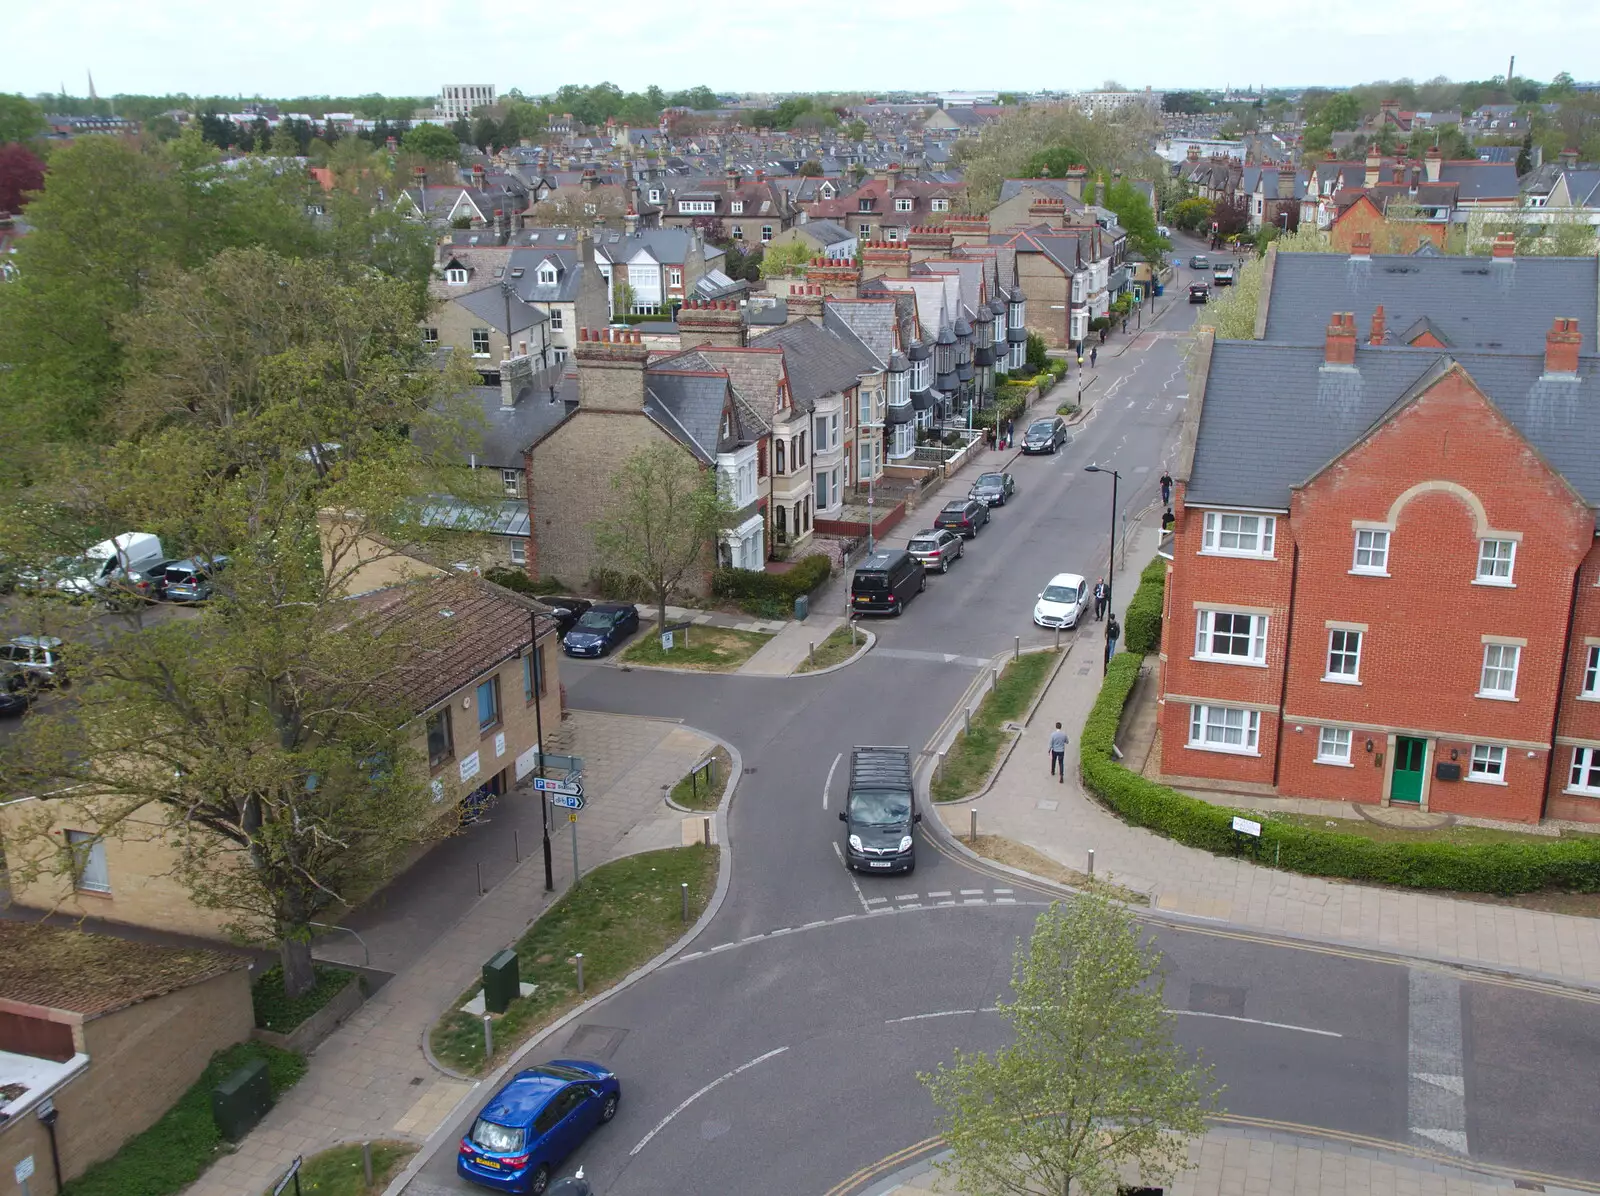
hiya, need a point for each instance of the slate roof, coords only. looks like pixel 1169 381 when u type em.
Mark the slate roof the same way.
pixel 568 274
pixel 826 232
pixel 1050 188
pixel 1481 180
pixel 1274 416
pixel 1480 304
pixel 96 974
pixel 872 322
pixel 689 405
pixel 496 438
pixel 489 305
pixel 820 361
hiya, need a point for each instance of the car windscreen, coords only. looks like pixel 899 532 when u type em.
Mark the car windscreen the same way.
pixel 879 807
pixel 502 1139
pixel 595 620
pixel 1040 429
pixel 990 479
pixel 1060 593
pixel 871 581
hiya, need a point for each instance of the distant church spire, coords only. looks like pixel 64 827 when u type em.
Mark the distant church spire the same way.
pixel 92 96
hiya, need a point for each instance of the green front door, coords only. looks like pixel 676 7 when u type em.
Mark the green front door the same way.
pixel 1407 782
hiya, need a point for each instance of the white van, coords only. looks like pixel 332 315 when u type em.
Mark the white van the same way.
pixel 131 552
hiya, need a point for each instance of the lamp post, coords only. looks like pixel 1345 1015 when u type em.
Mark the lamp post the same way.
pixel 537 666
pixel 1111 564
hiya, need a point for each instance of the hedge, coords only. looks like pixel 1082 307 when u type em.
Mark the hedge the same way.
pixel 518 580
pixel 1569 864
pixel 756 585
pixel 1142 625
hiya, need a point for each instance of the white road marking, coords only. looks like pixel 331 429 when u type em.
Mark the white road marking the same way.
pixel 781 930
pixel 1005 900
pixel 905 896
pixel 752 938
pixel 1005 891
pixel 854 884
pixel 971 892
pixel 723 947
pixel 691 955
pixel 877 900
pixel 940 893
pixel 662 1124
pixel 829 781
pixel 812 925
pixel 912 905
pixel 847 917
pixel 974 901
pixel 1253 1021
pixel 938 903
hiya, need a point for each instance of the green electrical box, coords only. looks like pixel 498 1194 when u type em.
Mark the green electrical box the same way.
pixel 242 1100
pixel 802 606
pixel 501 982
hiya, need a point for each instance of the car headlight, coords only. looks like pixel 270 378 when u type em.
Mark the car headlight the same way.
pixel 855 842
pixel 905 843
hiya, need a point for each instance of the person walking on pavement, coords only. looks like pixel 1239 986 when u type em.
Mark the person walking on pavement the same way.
pixel 1094 351
pixel 1099 599
pixel 1166 488
pixel 1058 754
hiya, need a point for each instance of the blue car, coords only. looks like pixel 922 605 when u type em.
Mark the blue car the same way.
pixel 601 628
pixel 536 1121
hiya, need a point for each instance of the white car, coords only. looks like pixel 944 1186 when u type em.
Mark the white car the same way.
pixel 1063 601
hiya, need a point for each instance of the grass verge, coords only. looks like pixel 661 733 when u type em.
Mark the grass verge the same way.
pixel 700 792
pixel 620 915
pixel 171 1154
pixel 971 756
pixel 837 648
pixel 338 1172
pixel 1019 855
pixel 713 649
pixel 277 1012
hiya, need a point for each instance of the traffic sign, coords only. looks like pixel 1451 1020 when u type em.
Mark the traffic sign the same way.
pixel 551 785
pixel 568 801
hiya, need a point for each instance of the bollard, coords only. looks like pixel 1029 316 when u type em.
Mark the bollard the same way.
pixel 579 958
pixel 366 1163
pixel 1091 861
pixel 684 888
pixel 480 878
pixel 705 830
pixel 852 633
pixel 1016 650
pixel 488 1037
pixel 974 835
pixel 938 769
pixel 516 845
pixel 811 652
pixel 1058 637
pixel 966 719
pixel 994 678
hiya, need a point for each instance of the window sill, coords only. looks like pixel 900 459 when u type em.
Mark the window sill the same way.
pixel 1225 751
pixel 1240 660
pixel 1367 572
pixel 1487 781
pixel 1246 556
pixel 1492 697
pixel 1589 697
pixel 435 769
pixel 1332 679
pixel 493 728
pixel 1334 763
pixel 102 894
pixel 1576 792
pixel 1499 583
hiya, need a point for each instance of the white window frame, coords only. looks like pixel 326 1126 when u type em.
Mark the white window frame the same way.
pixel 1585 767
pixel 1591 673
pixel 89 871
pixel 697 207
pixel 1340 652
pixel 430 336
pixel 456 277
pixel 484 334
pixel 1333 746
pixel 1215 531
pixel 863 231
pixel 1489 559
pixel 557 319
pixel 903 205
pixel 1371 553
pixel 1497 653
pixel 547 276
pixel 674 276
pixel 1206 633
pixel 939 205
pixel 519 551
pixel 1204 719
pixel 655 195
pixel 736 207
pixel 511 481
pixel 1487 764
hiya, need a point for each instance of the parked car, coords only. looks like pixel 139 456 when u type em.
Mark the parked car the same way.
pixel 936 547
pixel 1222 274
pixel 126 590
pixel 16 692
pixel 1062 602
pixel 880 811
pixel 885 581
pixel 601 628
pixel 83 576
pixel 193 580
pixel 992 489
pixel 533 1123
pixel 567 611
pixel 1199 262
pixel 1045 435
pixel 37 657
pixel 1199 292
pixel 964 516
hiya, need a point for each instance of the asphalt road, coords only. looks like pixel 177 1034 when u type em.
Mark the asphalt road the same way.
pixel 780 1053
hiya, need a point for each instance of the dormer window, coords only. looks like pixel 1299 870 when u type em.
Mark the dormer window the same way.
pixel 455 276
pixel 737 207
pixel 865 205
pixel 517 272
pixel 902 205
pixel 655 196
pixel 547 276
pixel 940 205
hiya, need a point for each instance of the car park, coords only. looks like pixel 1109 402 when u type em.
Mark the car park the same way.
pixel 567 610
pixel 935 547
pixel 885 581
pixel 1199 262
pixel 1062 601
pixel 193 580
pixel 1199 292
pixel 535 1122
pixel 1045 435
pixel 992 489
pixel 601 628
pixel 964 516
pixel 36 657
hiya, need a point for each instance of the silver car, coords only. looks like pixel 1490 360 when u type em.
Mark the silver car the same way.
pixel 936 547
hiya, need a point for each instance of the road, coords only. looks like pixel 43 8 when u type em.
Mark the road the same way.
pixel 780 1053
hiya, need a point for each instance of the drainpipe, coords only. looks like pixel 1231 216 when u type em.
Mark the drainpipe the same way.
pixel 1561 689
pixel 1283 690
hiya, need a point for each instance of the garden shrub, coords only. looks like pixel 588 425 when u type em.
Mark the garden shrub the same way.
pixel 619 586
pixel 751 586
pixel 1142 626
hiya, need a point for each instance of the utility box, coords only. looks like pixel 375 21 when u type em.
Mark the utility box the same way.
pixel 242 1100
pixel 802 606
pixel 501 982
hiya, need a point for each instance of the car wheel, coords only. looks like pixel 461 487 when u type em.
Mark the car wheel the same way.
pixel 609 1109
pixel 539 1180
pixel 899 609
pixel 922 583
pixel 944 564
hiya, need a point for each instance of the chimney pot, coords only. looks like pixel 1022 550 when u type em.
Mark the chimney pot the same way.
pixel 1340 347
pixel 1505 246
pixel 1377 325
pixel 1561 345
pixel 1361 245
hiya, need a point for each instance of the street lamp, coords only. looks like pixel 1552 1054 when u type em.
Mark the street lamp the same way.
pixel 1111 567
pixel 539 683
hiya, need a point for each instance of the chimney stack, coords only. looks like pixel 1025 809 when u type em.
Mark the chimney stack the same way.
pixel 1378 323
pixel 477 175
pixel 1505 246
pixel 1285 181
pixel 1568 159
pixel 1341 343
pixel 1561 345
pixel 886 259
pixel 419 179
pixel 1075 177
pixel 1361 246
pixel 805 301
pixel 731 178
pixel 588 180
pixel 1374 167
pixel 716 322
pixel 1432 159
pixel 610 369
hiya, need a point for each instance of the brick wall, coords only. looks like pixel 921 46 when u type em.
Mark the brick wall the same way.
pixel 1049 295
pixel 1579 724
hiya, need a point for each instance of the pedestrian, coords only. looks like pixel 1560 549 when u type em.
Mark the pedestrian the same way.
pixel 1167 519
pixel 1166 488
pixel 1094 352
pixel 1124 325
pixel 1058 755
pixel 1099 599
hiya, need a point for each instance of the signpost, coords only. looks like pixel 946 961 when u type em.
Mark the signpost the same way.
pixel 567 801
pixel 294 1174
pixel 551 785
pixel 669 635
pixel 1245 831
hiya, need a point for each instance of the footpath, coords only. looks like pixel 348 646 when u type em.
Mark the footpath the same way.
pixel 1062 821
pixel 371 1078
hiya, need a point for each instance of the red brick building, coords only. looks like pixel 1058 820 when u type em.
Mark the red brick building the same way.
pixel 1385 584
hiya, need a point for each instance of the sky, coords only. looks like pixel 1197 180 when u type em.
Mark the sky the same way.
pixel 411 47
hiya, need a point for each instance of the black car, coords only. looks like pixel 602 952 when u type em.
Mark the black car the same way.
pixel 1199 292
pixel 601 628
pixel 964 516
pixel 17 692
pixel 567 611
pixel 992 489
pixel 1045 435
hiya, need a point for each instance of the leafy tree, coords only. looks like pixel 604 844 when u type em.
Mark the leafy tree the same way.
pixel 1008 146
pixel 1232 310
pixel 810 169
pixel 1525 155
pixel 1452 143
pixel 1092 1081
pixel 1560 87
pixel 1037 356
pixel 21 172
pixel 1052 163
pixel 20 119
pixel 432 143
pixel 161 127
pixel 1191 215
pixel 780 260
pixel 665 513
pixel 856 130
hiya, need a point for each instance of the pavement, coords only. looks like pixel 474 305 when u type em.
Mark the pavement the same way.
pixel 1065 823
pixel 371 1079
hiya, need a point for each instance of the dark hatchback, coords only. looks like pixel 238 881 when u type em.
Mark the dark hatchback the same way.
pixel 1045 435
pixel 964 516
pixel 194 580
pixel 535 1122
pixel 17 693
pixel 566 610
pixel 601 628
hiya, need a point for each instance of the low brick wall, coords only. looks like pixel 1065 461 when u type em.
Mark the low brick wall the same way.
pixel 855 527
pixel 320 1024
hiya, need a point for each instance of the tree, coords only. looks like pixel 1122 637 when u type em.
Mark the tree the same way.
pixel 1232 310
pixel 780 260
pixel 856 130
pixel 1136 216
pixel 1192 214
pixel 665 513
pixel 1525 155
pixel 1092 1081
pixel 1052 163
pixel 810 169
pixel 432 143
pixel 21 173
pixel 20 119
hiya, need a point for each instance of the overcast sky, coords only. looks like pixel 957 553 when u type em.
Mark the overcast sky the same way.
pixel 410 47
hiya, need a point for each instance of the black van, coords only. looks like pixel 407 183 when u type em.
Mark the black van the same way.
pixel 885 581
pixel 880 811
